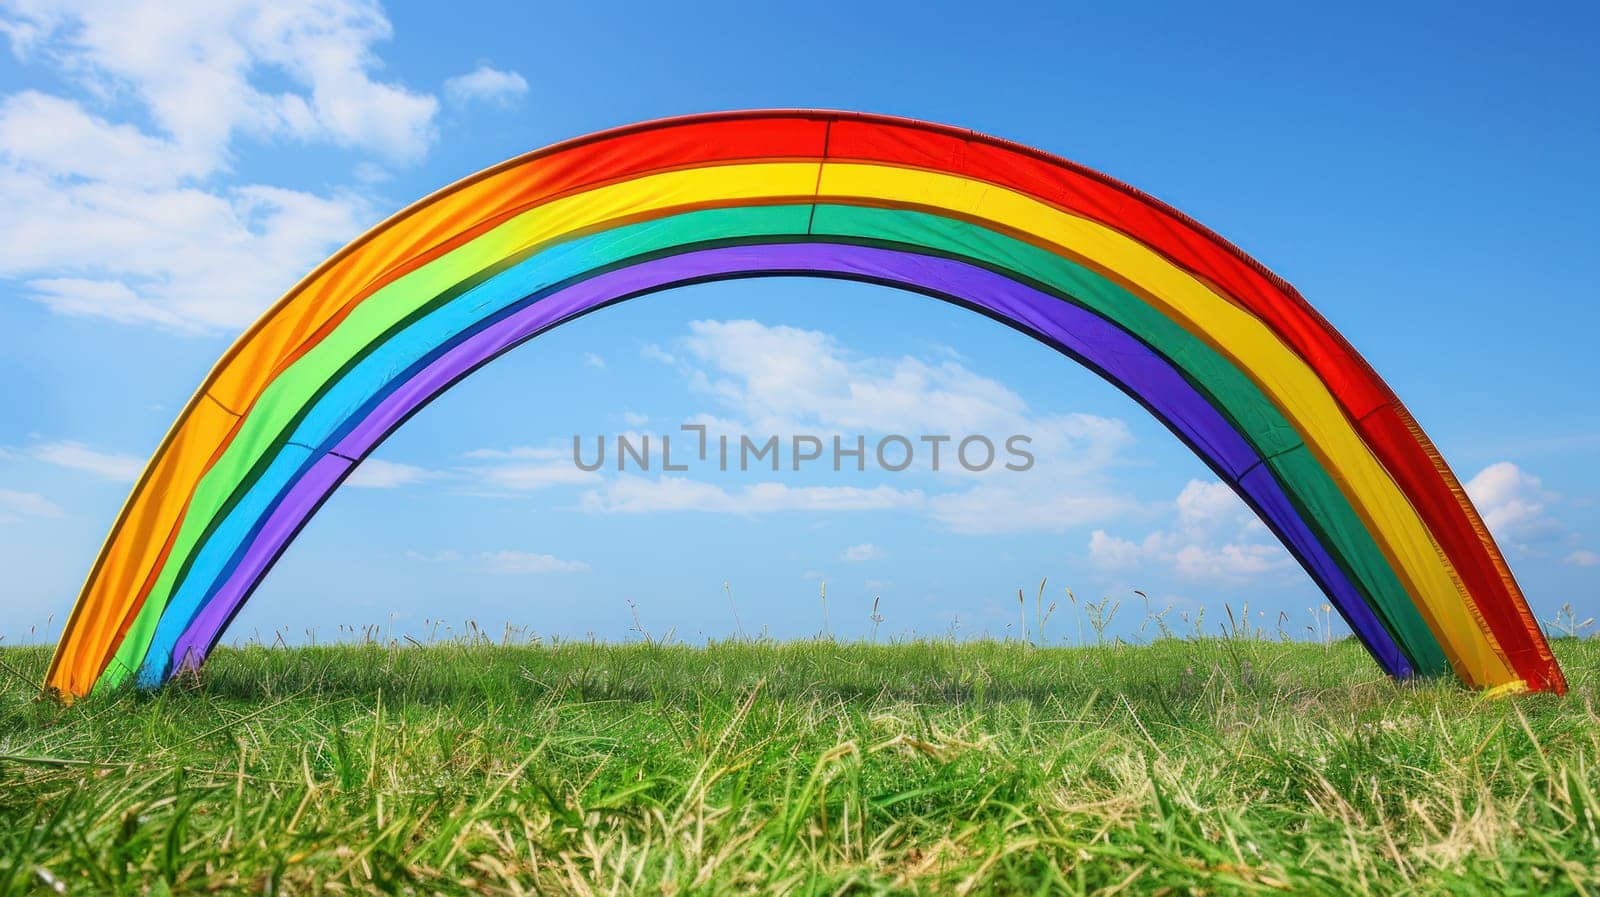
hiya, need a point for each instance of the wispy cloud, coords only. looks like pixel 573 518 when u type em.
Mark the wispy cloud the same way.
pixel 637 495
pixel 523 469
pixel 1583 557
pixel 486 84
pixel 515 453
pixel 653 352
pixel 15 506
pixel 376 474
pixel 506 561
pixel 1017 508
pixel 524 562
pixel 116 467
pixel 866 551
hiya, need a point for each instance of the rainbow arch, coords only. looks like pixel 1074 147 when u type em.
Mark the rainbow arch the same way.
pixel 1228 356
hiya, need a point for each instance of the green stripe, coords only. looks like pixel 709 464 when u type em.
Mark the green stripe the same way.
pixel 290 396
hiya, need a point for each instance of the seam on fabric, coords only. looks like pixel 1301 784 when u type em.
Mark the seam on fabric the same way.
pixel 816 187
pixel 1264 459
pixel 218 403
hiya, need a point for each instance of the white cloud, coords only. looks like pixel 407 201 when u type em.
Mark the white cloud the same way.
pixel 1206 543
pixel 1009 508
pixel 58 139
pixel 195 68
pixel 184 258
pixel 528 477
pixel 109 299
pixel 21 35
pixel 1201 503
pixel 1513 504
pixel 594 361
pixel 377 474
pixel 779 379
pixel 368 172
pixel 653 352
pixel 120 212
pixel 77 456
pixel 16 505
pixel 1113 553
pixel 487 85
pixel 866 551
pixel 492 472
pixel 1583 557
pixel 521 452
pixel 524 469
pixel 638 495
pixel 523 562
pixel 1229 561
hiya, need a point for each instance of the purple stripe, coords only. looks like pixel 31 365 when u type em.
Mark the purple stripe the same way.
pixel 274 536
pixel 1119 357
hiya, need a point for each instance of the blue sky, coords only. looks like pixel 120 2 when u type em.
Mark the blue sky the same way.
pixel 1425 177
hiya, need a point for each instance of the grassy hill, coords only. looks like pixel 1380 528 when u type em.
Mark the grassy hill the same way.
pixel 1212 766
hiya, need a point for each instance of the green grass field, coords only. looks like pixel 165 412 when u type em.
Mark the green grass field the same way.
pixel 1213 766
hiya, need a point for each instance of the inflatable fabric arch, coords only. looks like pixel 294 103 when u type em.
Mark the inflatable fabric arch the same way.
pixel 1228 356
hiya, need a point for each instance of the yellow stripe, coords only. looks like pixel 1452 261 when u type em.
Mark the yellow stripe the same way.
pixel 1282 375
